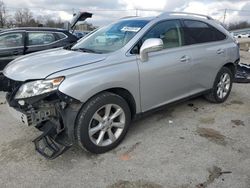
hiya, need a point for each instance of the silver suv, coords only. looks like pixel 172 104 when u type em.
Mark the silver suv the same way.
pixel 88 93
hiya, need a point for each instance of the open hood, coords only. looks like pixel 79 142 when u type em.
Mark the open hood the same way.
pixel 79 17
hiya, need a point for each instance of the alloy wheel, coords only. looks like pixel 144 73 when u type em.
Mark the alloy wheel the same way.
pixel 223 86
pixel 107 125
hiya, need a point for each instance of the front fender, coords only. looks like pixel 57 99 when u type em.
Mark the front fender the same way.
pixel 84 85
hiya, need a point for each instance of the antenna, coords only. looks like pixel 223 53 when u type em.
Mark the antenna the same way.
pixel 225 14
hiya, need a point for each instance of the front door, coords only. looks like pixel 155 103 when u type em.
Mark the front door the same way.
pixel 165 77
pixel 11 47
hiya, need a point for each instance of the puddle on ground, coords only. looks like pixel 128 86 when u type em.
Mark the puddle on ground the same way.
pixel 237 102
pixel 212 135
pixel 207 120
pixel 238 122
pixel 135 184
pixel 214 173
pixel 127 155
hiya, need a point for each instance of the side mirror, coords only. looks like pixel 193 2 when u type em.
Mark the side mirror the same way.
pixel 150 45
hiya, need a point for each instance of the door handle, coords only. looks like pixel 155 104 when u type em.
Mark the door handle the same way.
pixel 220 51
pixel 185 59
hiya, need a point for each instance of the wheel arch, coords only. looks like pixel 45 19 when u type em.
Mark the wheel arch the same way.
pixel 127 96
pixel 231 66
pixel 122 92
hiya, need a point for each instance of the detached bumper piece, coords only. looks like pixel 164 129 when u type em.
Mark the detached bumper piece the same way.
pixel 243 73
pixel 50 145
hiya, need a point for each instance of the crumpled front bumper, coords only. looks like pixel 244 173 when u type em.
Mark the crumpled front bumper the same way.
pixel 54 114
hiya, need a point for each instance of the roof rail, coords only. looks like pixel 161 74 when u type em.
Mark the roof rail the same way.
pixel 185 13
pixel 127 17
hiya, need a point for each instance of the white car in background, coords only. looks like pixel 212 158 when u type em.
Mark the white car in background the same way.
pixel 243 35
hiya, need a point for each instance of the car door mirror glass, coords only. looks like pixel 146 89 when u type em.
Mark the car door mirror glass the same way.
pixel 150 45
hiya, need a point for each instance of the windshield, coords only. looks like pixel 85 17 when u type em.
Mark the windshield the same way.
pixel 111 38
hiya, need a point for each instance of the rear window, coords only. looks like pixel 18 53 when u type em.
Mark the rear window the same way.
pixel 199 32
pixel 40 38
pixel 61 35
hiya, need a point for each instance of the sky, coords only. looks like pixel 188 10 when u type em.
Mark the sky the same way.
pixel 107 11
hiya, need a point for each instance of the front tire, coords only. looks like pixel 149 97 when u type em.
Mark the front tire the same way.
pixel 222 86
pixel 103 123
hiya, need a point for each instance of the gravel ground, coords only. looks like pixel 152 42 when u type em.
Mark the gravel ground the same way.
pixel 193 144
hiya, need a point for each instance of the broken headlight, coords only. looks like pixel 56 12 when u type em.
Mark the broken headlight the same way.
pixel 39 87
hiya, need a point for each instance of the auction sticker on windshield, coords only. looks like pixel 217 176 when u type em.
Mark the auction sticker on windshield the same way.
pixel 131 29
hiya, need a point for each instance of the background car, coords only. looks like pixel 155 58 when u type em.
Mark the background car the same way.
pixel 243 35
pixel 80 34
pixel 21 41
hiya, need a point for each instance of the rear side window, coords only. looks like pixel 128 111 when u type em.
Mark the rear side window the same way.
pixel 219 35
pixel 199 32
pixel 40 38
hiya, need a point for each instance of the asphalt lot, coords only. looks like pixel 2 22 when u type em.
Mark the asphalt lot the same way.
pixel 193 144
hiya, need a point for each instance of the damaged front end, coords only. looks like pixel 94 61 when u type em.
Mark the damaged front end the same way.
pixel 53 113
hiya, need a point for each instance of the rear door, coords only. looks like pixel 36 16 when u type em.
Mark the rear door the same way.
pixel 43 40
pixel 208 47
pixel 11 47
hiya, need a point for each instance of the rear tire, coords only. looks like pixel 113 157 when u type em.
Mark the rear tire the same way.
pixel 222 86
pixel 102 123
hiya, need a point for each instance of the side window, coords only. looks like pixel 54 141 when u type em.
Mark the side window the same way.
pixel 199 32
pixel 169 31
pixel 61 36
pixel 11 40
pixel 40 38
pixel 219 35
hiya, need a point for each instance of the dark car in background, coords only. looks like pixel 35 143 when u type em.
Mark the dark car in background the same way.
pixel 21 41
pixel 80 34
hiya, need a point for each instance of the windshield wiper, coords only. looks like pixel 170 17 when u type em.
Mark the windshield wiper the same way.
pixel 86 50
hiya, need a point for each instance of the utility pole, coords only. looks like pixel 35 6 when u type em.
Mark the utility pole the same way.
pixel 136 12
pixel 225 14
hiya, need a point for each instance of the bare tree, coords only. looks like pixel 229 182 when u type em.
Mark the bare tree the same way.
pixel 3 15
pixel 27 16
pixel 24 17
pixel 238 25
pixel 49 22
